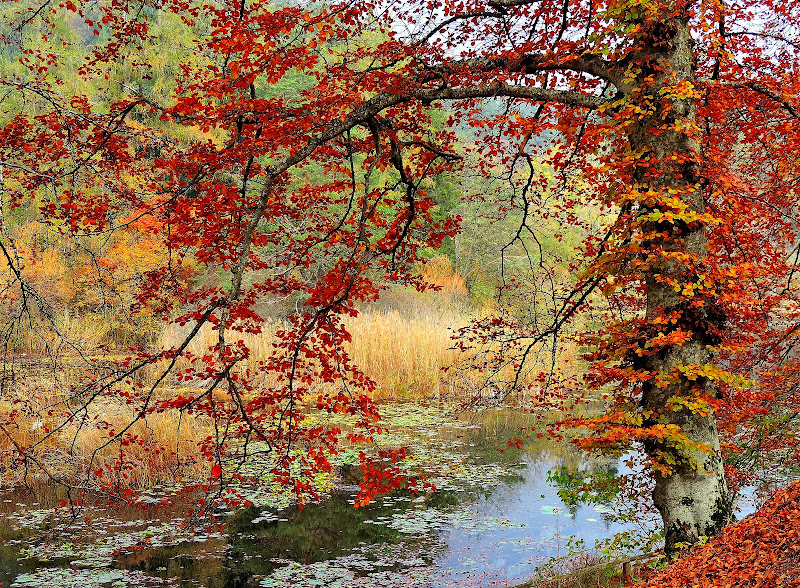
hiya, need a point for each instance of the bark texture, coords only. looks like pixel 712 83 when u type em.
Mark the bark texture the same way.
pixel 693 499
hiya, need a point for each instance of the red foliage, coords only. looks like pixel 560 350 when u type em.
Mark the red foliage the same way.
pixel 294 152
pixel 762 551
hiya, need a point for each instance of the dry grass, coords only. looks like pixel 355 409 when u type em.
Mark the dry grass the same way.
pixel 39 336
pixel 154 449
pixel 404 356
pixel 584 570
pixel 60 331
pixel 402 342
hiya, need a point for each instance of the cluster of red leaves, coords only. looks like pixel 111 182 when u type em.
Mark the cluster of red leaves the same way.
pixel 319 195
pixel 761 551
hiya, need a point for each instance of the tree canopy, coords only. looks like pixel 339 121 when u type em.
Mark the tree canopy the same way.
pixel 296 148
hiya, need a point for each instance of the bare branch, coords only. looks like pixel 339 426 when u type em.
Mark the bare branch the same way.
pixel 772 36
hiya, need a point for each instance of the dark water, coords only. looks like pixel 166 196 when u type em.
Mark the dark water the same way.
pixel 497 517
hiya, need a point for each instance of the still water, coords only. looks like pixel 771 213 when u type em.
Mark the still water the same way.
pixel 496 518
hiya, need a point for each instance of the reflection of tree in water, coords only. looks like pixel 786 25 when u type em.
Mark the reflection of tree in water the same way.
pixel 317 533
pixel 568 469
pixel 187 561
pixel 11 564
pixel 578 480
pixel 599 485
pixel 335 535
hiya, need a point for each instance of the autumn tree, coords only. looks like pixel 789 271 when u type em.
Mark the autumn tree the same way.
pixel 295 150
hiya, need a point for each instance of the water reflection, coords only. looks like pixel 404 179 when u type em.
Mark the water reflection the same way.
pixel 534 524
pixel 469 534
pixel 469 538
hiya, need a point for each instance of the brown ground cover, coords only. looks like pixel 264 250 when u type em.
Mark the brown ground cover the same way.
pixel 762 550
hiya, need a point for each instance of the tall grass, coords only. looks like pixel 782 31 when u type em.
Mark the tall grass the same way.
pixel 158 447
pixel 402 342
pixel 404 355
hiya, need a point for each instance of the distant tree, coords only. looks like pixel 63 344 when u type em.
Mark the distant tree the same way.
pixel 308 147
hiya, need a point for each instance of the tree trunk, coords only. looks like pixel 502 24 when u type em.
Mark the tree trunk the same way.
pixel 693 497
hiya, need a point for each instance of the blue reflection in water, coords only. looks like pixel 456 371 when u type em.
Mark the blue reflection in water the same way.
pixel 533 525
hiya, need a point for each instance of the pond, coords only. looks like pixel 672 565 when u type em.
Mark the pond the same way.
pixel 495 518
